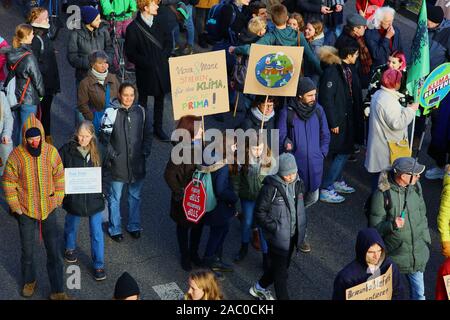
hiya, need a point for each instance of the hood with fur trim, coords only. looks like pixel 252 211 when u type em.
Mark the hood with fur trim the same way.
pixel 329 55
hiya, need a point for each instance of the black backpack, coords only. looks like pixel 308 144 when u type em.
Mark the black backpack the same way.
pixel 213 19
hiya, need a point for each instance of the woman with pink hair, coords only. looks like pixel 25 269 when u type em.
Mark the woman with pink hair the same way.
pixel 388 122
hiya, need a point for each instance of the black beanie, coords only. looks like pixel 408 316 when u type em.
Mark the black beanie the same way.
pixel 126 287
pixel 305 85
pixel 32 132
pixel 435 14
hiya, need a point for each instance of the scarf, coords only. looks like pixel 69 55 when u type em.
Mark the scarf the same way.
pixel 101 77
pixel 364 54
pixel 259 115
pixel 348 77
pixel 148 21
pixel 304 112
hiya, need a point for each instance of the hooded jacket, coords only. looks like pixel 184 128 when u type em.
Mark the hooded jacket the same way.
pixel 357 272
pixel 273 214
pixel 439 44
pixel 408 246
pixel 82 42
pixel 336 101
pixel 34 185
pixel 129 144
pixel 122 9
pixel 443 219
pixel 86 204
pixel 28 67
pixel 288 37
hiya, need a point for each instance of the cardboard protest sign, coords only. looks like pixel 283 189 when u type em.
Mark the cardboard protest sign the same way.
pixel 199 84
pixel 447 285
pixel 273 70
pixel 435 88
pixel 379 288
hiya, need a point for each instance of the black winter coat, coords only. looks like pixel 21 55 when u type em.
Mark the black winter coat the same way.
pixel 152 66
pixel 238 26
pixel 335 98
pixel 83 205
pixel 251 122
pixel 310 9
pixel 129 145
pixel 272 214
pixel 356 273
pixel 27 68
pixel 44 52
pixel 82 43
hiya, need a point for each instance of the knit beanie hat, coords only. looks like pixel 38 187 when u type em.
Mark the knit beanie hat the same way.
pixel 32 132
pixel 126 287
pixel 305 85
pixel 88 14
pixel 435 14
pixel 287 165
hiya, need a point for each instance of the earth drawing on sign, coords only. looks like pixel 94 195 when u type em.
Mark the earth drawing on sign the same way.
pixel 274 70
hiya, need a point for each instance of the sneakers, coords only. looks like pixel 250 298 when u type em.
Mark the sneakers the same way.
pixel 60 296
pixel 352 158
pixel 305 247
pixel 99 274
pixel 69 256
pixel 188 50
pixel 342 187
pixel 261 294
pixel 434 173
pixel 330 196
pixel 28 289
pixel 216 264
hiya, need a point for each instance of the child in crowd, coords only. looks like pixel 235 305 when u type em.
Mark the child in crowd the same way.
pixel 296 22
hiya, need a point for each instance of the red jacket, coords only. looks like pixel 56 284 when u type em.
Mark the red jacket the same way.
pixel 444 270
pixel 371 6
pixel 3 44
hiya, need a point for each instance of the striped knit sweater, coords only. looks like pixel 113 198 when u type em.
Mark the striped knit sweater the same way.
pixel 34 185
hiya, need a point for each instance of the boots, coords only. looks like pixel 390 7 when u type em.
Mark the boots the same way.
pixel 242 253
pixel 49 139
pixel 28 289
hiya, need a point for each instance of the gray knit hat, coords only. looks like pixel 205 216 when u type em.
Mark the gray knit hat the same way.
pixel 287 165
pixel 305 85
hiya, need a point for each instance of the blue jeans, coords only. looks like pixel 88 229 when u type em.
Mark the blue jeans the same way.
pixel 25 111
pixel 134 206
pixel 416 285
pixel 335 171
pixel 95 229
pixel 189 25
pixel 248 208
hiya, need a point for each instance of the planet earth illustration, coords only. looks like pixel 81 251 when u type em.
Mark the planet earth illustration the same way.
pixel 274 70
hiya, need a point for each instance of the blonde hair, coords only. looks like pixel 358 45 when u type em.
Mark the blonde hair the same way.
pixel 318 27
pixel 256 25
pixel 205 280
pixel 34 14
pixel 22 31
pixel 92 147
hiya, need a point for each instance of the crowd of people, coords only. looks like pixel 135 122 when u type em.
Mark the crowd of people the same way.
pixel 351 95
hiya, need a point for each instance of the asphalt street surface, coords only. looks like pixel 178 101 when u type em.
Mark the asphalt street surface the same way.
pixel 154 259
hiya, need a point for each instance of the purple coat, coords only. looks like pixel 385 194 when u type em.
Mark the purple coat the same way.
pixel 310 145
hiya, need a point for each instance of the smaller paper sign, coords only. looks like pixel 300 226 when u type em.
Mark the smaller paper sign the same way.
pixel 199 84
pixel 273 70
pixel 435 88
pixel 83 180
pixel 379 288
pixel 447 285
pixel 194 201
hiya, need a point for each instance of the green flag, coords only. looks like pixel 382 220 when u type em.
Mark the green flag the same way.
pixel 419 67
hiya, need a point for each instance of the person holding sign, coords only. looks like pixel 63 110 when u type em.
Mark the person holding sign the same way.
pixel 177 177
pixel 370 262
pixel 404 230
pixel 82 152
pixel 33 183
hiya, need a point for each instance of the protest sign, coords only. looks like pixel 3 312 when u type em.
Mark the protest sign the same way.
pixel 194 201
pixel 273 70
pixel 379 288
pixel 435 88
pixel 83 180
pixel 447 285
pixel 199 84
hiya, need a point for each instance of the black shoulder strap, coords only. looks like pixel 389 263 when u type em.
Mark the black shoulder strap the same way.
pixel 387 200
pixel 319 115
pixel 149 35
pixel 290 121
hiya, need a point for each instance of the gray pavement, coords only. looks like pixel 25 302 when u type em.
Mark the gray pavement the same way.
pixel 153 259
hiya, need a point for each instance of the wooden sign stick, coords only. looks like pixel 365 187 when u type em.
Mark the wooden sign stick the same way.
pixel 236 105
pixel 203 132
pixel 264 117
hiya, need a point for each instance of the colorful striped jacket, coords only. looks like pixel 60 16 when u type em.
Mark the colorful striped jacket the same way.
pixel 34 185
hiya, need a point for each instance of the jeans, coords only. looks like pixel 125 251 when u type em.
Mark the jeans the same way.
pixel 134 206
pixel 200 20
pixel 278 271
pixel 25 110
pixel 189 239
pixel 335 171
pixel 27 227
pixel 216 239
pixel 189 25
pixel 96 233
pixel 248 208
pixel 416 285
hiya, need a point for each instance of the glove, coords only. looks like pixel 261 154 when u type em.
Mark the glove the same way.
pixel 367 112
pixel 446 248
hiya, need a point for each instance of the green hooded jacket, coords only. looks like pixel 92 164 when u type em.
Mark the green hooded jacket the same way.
pixel 122 9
